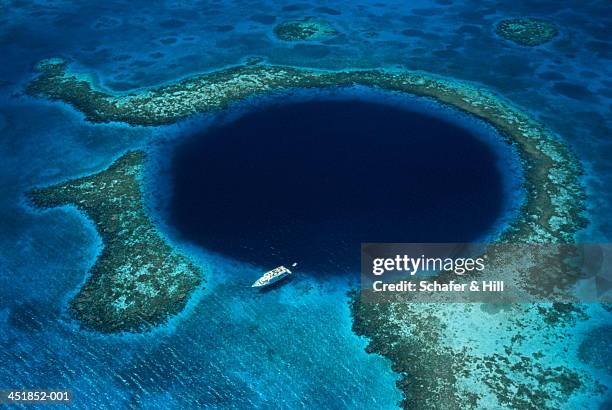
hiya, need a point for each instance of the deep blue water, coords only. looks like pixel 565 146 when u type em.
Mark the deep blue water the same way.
pixel 310 181
pixel 231 347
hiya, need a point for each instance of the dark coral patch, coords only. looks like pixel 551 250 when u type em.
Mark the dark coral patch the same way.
pixel 411 32
pixel 295 7
pixel 575 91
pixel 29 317
pixel 603 49
pixel 223 28
pixel 263 18
pixel 551 75
pixel 122 57
pixel 596 348
pixel 469 29
pixel 168 41
pixel 328 10
pixel 172 23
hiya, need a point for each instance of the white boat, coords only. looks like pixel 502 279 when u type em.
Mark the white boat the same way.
pixel 272 276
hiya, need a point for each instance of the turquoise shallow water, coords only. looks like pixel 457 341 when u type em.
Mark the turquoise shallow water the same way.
pixel 292 347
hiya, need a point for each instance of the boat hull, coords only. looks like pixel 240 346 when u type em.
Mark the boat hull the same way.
pixel 271 277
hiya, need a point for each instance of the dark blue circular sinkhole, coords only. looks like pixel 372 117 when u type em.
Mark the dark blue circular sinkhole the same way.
pixel 310 181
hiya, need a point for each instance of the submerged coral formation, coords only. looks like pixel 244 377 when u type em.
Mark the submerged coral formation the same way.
pixel 138 280
pixel 527 31
pixel 308 28
pixel 441 365
pixel 476 356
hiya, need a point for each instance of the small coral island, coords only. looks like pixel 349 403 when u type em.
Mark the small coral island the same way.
pixel 138 280
pixel 305 29
pixel 527 31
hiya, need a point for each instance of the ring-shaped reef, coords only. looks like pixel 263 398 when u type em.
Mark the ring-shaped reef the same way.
pixel 527 31
pixel 306 29
pixel 441 366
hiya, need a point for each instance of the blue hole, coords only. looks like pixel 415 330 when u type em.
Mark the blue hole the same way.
pixel 310 181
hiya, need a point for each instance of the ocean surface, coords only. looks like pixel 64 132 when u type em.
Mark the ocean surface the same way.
pixel 291 347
